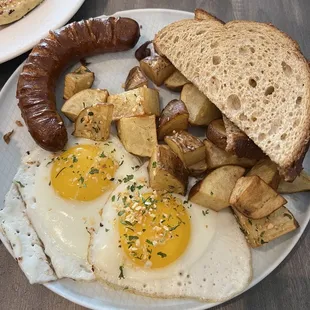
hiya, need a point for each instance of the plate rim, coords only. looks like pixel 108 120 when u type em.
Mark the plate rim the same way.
pixel 33 42
pixel 74 297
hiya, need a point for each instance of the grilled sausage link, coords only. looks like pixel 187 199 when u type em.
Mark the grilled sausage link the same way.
pixel 37 81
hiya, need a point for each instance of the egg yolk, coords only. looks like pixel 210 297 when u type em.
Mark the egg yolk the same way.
pixel 82 173
pixel 154 229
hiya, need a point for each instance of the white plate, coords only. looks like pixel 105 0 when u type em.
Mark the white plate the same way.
pixel 22 35
pixel 111 71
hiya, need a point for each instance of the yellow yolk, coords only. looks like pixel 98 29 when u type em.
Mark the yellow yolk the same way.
pixel 82 173
pixel 154 229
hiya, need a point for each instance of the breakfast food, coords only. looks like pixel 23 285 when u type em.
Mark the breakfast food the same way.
pixel 82 78
pixel 166 171
pixel 254 198
pixel 36 84
pixel 189 148
pixel 13 10
pixel 300 184
pixel 135 79
pixel 158 222
pixel 63 194
pixel 217 157
pixel 83 99
pixel 157 69
pixel 136 102
pixel 255 74
pixel 138 134
pixel 201 110
pixel 148 244
pixel 215 189
pixel 173 118
pixel 94 122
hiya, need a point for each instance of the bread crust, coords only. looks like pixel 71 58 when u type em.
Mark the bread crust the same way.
pixel 37 81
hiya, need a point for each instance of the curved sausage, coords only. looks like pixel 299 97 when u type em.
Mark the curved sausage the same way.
pixel 37 82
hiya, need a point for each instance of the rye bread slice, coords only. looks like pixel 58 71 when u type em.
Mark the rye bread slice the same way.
pixel 255 74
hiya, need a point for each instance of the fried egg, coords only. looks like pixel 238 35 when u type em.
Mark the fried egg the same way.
pixel 159 244
pixel 65 194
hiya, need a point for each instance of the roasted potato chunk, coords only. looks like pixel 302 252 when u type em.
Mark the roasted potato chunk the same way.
pixel 176 81
pixel 197 169
pixel 157 68
pixel 217 157
pixel 300 184
pixel 189 148
pixel 214 190
pixel 82 78
pixel 94 122
pixel 138 134
pixel 166 171
pixel 216 133
pixel 84 99
pixel 201 110
pixel 267 171
pixel 254 198
pixel 260 231
pixel 136 102
pixel 135 79
pixel 174 117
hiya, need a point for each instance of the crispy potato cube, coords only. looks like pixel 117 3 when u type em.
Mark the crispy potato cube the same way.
pixel 166 171
pixel 84 99
pixel 217 157
pixel 214 190
pixel 216 133
pixel 201 110
pixel 176 81
pixel 300 184
pixel 267 171
pixel 138 134
pixel 135 79
pixel 260 231
pixel 174 117
pixel 94 122
pixel 82 78
pixel 254 198
pixel 157 68
pixel 189 148
pixel 136 102
pixel 197 169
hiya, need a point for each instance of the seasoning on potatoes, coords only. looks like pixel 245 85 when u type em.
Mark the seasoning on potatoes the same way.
pixel 157 68
pixel 94 122
pixel 135 102
pixel 82 78
pixel 173 118
pixel 189 148
pixel 83 99
pixel 135 79
pixel 166 171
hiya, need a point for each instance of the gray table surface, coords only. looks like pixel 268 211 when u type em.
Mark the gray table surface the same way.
pixel 289 285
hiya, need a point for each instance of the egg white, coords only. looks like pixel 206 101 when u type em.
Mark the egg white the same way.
pixel 215 266
pixel 63 224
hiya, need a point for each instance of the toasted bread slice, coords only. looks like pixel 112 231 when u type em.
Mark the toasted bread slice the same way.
pixel 239 143
pixel 255 74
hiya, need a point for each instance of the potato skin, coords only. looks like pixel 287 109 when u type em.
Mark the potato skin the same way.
pixel 36 84
pixel 135 79
pixel 174 113
pixel 216 133
pixel 166 171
